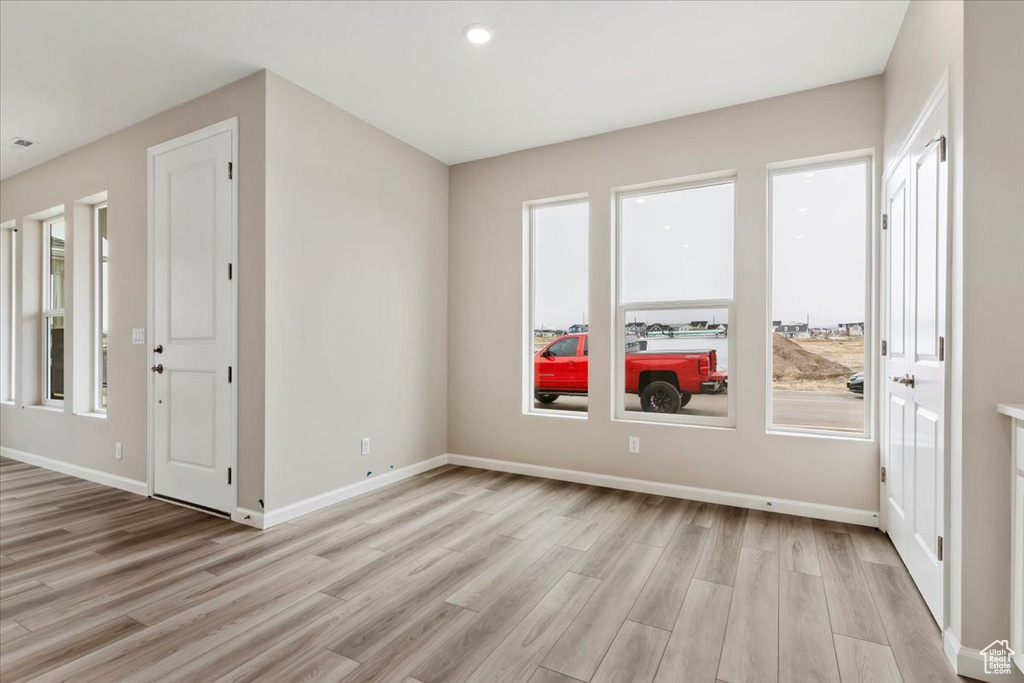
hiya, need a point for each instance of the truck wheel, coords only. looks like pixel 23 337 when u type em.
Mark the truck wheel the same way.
pixel 684 399
pixel 547 398
pixel 660 397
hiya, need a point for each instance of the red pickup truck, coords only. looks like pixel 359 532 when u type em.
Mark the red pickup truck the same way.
pixel 665 380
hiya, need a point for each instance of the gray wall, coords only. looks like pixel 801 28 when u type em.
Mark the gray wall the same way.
pixel 485 300
pixel 356 298
pixel 117 164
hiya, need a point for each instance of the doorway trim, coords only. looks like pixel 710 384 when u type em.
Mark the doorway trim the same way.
pixel 228 125
pixel 943 90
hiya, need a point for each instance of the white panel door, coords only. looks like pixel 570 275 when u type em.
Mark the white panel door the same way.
pixel 193 326
pixel 914 391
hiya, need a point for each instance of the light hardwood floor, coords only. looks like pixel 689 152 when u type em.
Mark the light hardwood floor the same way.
pixel 454 575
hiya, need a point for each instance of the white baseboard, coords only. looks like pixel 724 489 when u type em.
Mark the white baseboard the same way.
pixel 248 517
pixel 96 476
pixel 304 507
pixel 743 500
pixel 969 662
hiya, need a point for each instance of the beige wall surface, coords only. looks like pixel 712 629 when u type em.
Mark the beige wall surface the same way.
pixel 993 290
pixel 485 300
pixel 117 164
pixel 356 298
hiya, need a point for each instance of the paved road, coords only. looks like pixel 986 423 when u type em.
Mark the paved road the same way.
pixel 822 409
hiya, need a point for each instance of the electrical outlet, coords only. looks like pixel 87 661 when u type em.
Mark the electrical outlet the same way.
pixel 366 445
pixel 634 444
pixel 117 450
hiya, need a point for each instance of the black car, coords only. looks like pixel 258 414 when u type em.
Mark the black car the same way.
pixel 856 383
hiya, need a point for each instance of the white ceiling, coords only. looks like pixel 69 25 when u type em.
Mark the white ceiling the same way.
pixel 73 72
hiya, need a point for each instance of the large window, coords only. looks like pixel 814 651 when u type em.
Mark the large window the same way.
pixel 54 252
pixel 8 248
pixel 102 295
pixel 675 303
pixel 819 293
pixel 557 345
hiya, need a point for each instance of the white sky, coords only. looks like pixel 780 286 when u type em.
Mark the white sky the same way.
pixel 679 246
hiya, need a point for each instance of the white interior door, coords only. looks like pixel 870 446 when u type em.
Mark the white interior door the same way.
pixel 914 390
pixel 192 340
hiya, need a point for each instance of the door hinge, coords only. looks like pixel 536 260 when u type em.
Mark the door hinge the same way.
pixel 229 374
pixel 885 347
pixel 231 270
pixel 939 548
pixel 229 475
pixel 885 221
pixel 942 348
pixel 231 170
pixel 942 147
pixel 883 475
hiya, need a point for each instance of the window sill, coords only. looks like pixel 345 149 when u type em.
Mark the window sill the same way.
pixel 48 409
pixel 819 434
pixel 94 415
pixel 563 414
pixel 8 403
pixel 667 423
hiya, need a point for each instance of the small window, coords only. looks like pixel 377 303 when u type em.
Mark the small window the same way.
pixel 819 297
pixel 8 248
pixel 557 235
pixel 101 265
pixel 54 252
pixel 675 303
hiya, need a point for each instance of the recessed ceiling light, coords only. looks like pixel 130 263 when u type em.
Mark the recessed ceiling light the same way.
pixel 800 237
pixel 666 227
pixel 803 210
pixel 477 34
pixel 686 246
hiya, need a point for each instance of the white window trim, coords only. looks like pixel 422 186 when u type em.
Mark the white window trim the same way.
pixel 619 412
pixel 11 286
pixel 529 208
pixel 807 166
pixel 48 313
pixel 97 264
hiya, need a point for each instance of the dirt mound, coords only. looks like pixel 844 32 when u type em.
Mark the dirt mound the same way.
pixel 790 362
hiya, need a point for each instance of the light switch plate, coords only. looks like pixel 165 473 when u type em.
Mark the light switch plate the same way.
pixel 138 335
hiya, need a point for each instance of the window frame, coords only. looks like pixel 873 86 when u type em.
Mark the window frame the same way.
pixel 47 313
pixel 98 310
pixel 8 393
pixel 529 291
pixel 622 309
pixel 807 166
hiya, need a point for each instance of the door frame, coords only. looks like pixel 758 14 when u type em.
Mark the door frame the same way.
pixel 229 125
pixel 943 90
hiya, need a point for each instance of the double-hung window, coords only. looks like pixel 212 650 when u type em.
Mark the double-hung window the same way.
pixel 674 307
pixel 54 259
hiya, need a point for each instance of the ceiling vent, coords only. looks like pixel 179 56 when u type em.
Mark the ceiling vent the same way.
pixel 16 144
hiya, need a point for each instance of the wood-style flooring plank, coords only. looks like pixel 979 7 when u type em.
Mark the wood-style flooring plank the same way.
pixel 861 661
pixel 805 635
pixel 693 649
pixel 634 655
pixel 750 653
pixel 518 655
pixel 913 636
pixel 850 606
pixel 720 558
pixel 659 602
pixel 579 652
pixel 797 549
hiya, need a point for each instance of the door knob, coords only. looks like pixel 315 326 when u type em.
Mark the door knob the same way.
pixel 906 380
pixel 159 348
pixel 158 369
